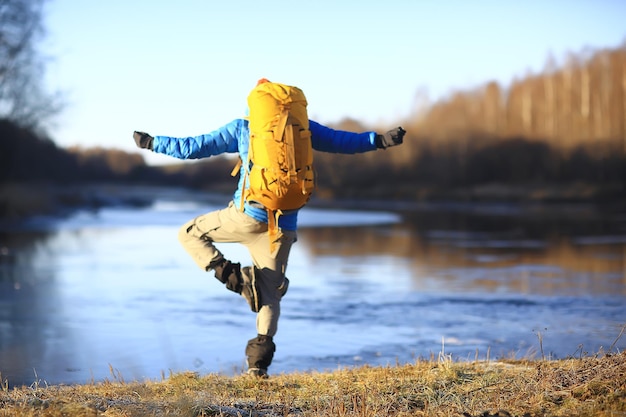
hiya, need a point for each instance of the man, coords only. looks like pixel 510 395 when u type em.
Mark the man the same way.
pixel 263 284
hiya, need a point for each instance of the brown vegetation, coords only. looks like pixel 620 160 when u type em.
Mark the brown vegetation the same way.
pixel 565 126
pixel 582 103
pixel 560 135
pixel 590 386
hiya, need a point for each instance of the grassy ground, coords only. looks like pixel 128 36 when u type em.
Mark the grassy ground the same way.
pixel 587 386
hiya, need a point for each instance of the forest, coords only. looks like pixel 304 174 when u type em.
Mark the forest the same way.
pixel 559 135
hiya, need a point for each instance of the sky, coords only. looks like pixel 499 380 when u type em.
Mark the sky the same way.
pixel 184 68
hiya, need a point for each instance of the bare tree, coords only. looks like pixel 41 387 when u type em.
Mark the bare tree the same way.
pixel 23 99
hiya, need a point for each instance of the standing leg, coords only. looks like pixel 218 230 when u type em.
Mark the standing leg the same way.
pixel 268 277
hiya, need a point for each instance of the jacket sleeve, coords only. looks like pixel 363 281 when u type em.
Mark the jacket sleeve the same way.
pixel 222 140
pixel 326 139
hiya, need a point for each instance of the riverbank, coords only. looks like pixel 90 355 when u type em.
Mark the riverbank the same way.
pixel 19 201
pixel 586 386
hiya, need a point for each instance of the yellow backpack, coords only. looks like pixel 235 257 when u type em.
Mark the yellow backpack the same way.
pixel 279 171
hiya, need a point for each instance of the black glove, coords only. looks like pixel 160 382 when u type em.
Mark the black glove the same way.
pixel 391 138
pixel 143 140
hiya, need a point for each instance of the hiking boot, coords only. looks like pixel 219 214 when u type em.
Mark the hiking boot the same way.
pixel 230 274
pixel 249 289
pixel 258 373
pixel 259 354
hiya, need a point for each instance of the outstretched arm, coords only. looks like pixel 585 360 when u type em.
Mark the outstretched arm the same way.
pixel 222 140
pixel 326 139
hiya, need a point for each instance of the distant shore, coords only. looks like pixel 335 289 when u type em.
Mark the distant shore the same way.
pixel 19 201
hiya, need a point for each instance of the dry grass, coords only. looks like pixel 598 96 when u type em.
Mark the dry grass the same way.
pixel 589 386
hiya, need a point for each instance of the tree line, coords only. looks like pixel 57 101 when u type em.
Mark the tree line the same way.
pixel 27 156
pixel 566 125
pixel 582 102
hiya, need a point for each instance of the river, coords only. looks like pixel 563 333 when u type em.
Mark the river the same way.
pixel 109 294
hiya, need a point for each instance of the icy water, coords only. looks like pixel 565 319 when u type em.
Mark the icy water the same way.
pixel 111 294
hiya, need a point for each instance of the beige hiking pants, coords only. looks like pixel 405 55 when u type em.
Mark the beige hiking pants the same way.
pixel 230 225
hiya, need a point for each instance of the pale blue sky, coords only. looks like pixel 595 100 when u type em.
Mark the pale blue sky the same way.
pixel 184 68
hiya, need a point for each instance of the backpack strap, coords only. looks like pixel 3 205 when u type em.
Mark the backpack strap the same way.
pixel 282 121
pixel 291 135
pixel 272 227
pixel 236 168
pixel 234 173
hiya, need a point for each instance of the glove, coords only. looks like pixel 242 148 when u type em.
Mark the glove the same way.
pixel 143 140
pixel 391 138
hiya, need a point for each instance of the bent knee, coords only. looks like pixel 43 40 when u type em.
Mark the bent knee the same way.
pixel 184 233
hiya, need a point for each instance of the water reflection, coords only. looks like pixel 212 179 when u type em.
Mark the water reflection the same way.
pixel 527 255
pixel 114 289
pixel 28 305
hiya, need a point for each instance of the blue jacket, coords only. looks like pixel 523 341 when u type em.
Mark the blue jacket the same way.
pixel 234 138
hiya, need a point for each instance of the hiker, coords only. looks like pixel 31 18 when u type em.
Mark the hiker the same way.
pixel 267 234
